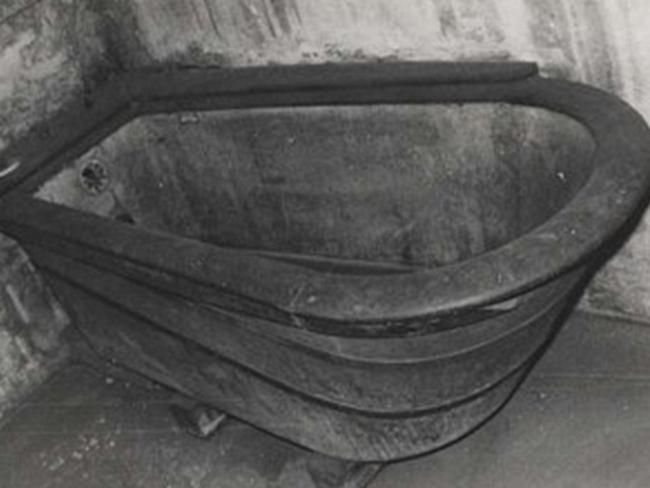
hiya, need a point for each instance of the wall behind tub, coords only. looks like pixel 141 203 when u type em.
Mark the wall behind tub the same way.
pixel 42 66
pixel 600 42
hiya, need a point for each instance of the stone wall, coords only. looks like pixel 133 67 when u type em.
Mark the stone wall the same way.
pixel 48 49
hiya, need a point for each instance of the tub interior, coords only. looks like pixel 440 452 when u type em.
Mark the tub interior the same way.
pixel 424 184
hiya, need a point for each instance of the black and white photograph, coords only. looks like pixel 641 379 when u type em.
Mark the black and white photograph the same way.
pixel 324 244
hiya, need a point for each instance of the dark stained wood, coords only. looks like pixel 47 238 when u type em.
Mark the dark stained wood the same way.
pixel 321 300
pixel 398 387
pixel 286 341
pixel 148 84
pixel 193 370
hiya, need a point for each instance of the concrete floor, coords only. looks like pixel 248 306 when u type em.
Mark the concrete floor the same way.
pixel 86 429
pixel 581 420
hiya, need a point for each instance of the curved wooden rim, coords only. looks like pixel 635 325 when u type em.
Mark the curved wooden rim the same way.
pixel 357 304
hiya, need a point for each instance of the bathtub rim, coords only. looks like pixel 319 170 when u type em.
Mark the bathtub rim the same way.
pixel 361 304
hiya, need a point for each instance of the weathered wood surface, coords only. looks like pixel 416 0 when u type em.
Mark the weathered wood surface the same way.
pixel 518 288
pixel 449 374
pixel 193 370
pixel 564 241
pixel 453 182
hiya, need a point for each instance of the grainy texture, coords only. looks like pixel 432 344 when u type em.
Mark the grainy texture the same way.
pixel 85 429
pixel 580 420
pixel 616 190
pixel 46 47
pixel 80 252
pixel 194 371
pixel 31 322
pixel 596 41
pixel 50 50
pixel 339 181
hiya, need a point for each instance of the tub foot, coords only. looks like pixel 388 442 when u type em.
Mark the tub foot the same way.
pixel 198 420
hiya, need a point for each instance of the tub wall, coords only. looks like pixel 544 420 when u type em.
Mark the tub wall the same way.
pixel 41 67
pixel 601 42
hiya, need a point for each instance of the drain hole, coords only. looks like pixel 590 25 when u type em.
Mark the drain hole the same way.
pixel 93 177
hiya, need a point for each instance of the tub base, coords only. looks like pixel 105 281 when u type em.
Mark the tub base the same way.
pixel 200 374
